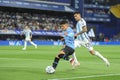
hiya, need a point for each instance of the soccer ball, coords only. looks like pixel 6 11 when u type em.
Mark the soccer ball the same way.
pixel 50 69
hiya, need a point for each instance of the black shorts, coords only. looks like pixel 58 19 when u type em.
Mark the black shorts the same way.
pixel 68 50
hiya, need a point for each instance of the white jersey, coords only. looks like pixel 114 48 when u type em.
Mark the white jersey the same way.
pixel 82 39
pixel 83 36
pixel 27 33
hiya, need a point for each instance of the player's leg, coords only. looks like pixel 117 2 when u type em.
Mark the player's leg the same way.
pixel 33 43
pixel 25 45
pixel 57 58
pixel 64 53
pixel 76 63
pixel 96 53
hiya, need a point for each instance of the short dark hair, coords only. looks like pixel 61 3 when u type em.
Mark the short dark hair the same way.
pixel 63 22
pixel 76 13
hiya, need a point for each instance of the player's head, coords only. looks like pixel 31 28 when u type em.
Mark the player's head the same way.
pixel 77 16
pixel 26 27
pixel 64 25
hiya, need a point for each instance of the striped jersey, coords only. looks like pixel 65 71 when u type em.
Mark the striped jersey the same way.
pixel 27 33
pixel 84 36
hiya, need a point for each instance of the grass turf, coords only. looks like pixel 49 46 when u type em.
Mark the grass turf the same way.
pixel 16 64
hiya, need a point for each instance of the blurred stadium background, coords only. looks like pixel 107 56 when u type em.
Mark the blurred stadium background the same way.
pixel 43 16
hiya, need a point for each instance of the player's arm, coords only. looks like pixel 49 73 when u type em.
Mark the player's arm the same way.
pixel 21 33
pixel 30 35
pixel 84 29
pixel 63 40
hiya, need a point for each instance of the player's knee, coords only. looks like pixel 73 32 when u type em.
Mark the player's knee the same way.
pixel 60 55
pixel 63 56
pixel 92 52
pixel 66 57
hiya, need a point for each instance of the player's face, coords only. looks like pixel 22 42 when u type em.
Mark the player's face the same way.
pixel 77 17
pixel 26 27
pixel 64 26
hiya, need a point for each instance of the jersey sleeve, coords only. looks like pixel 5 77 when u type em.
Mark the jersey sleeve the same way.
pixel 83 23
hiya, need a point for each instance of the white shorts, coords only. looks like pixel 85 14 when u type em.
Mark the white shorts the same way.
pixel 86 44
pixel 28 39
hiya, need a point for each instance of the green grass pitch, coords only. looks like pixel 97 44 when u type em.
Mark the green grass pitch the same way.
pixel 16 64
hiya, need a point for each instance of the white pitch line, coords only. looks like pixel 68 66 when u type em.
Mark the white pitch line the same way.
pixel 91 76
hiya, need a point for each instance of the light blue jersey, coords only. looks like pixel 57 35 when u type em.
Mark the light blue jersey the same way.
pixel 84 36
pixel 69 38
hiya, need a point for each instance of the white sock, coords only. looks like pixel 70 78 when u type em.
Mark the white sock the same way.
pixel 74 56
pixel 33 43
pixel 25 44
pixel 100 56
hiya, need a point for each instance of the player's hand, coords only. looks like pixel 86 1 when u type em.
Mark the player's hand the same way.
pixel 65 33
pixel 75 35
pixel 30 36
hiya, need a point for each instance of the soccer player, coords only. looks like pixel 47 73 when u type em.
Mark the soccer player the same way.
pixel 68 49
pixel 28 35
pixel 82 39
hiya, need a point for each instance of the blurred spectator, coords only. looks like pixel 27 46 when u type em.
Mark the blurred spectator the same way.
pixel 101 37
pixel 106 40
pixel 97 2
pixel 17 21
pixel 116 37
